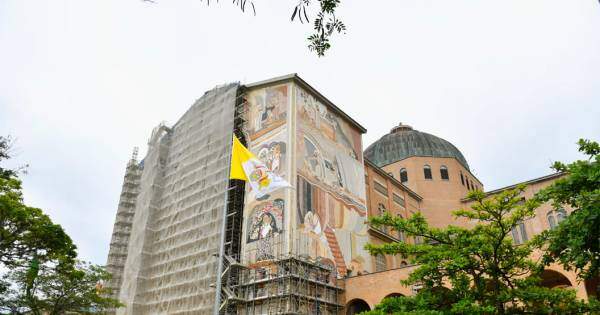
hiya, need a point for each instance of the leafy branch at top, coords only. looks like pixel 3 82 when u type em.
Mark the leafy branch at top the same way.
pixel 325 24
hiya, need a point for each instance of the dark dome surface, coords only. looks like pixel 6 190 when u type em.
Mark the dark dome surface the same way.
pixel 404 142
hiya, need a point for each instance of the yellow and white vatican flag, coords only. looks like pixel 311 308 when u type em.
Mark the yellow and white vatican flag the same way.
pixel 245 166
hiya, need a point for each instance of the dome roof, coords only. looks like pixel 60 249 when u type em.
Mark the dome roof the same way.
pixel 403 142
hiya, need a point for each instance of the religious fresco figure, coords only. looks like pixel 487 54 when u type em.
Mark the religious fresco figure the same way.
pixel 266 220
pixel 266 110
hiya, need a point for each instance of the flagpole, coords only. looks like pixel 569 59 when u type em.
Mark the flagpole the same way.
pixel 222 243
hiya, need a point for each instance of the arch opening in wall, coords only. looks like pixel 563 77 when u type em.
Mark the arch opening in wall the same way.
pixel 393 295
pixel 554 279
pixel 591 287
pixel 357 306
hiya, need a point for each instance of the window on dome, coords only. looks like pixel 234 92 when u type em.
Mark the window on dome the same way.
pixel 444 173
pixel 403 176
pixel 427 172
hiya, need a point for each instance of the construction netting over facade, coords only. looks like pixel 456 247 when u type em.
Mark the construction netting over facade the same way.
pixel 170 265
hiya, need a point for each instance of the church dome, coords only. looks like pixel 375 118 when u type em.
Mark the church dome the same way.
pixel 403 142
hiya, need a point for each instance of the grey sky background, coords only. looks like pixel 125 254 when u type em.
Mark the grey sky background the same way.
pixel 512 83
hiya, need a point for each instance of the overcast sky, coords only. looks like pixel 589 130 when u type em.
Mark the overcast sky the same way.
pixel 512 83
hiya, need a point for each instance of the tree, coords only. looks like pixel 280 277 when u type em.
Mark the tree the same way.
pixel 575 243
pixel 59 288
pixel 475 270
pixel 325 24
pixel 26 232
pixel 40 273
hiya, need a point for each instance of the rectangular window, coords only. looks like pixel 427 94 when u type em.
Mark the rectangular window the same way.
pixel 380 188
pixel 399 200
pixel 519 233
pixel 462 179
pixel 427 173
pixel 444 174
pixel 380 263
pixel 403 176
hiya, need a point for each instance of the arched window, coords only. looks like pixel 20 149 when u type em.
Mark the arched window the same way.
pixel 555 217
pixel 444 173
pixel 519 233
pixel 462 179
pixel 472 186
pixel 561 214
pixel 551 220
pixel 380 263
pixel 468 187
pixel 403 176
pixel 403 264
pixel 427 172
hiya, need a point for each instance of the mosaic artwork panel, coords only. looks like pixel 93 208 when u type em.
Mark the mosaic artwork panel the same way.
pixel 267 110
pixel 331 195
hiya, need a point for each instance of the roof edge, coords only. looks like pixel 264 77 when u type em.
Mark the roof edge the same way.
pixel 294 77
pixel 527 182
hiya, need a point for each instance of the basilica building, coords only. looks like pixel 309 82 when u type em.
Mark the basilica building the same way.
pixel 408 171
pixel 188 240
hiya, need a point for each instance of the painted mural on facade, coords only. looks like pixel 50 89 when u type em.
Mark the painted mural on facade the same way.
pixel 331 199
pixel 267 138
pixel 267 110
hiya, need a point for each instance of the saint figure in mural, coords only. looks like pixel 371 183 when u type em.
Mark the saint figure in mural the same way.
pixel 265 219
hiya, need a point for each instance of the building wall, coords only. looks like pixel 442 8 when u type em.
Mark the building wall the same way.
pixel 374 287
pixel 539 223
pixel 320 154
pixel 397 200
pixel 383 284
pixel 440 197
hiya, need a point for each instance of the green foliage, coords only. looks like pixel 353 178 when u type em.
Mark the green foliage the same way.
pixel 325 24
pixel 40 274
pixel 476 270
pixel 575 243
pixel 59 288
pixel 25 231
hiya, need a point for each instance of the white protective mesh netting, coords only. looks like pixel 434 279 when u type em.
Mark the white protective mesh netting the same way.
pixel 177 223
